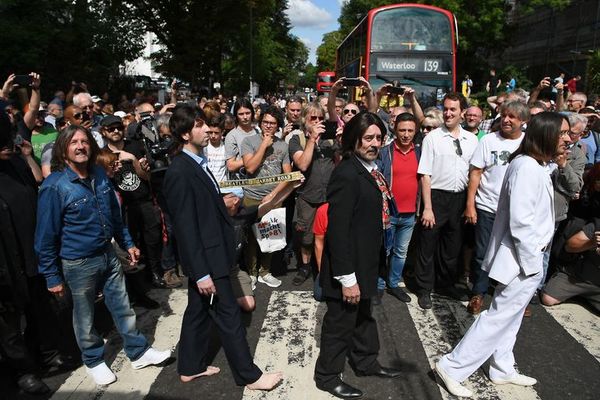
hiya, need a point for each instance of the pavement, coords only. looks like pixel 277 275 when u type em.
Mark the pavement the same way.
pixel 559 346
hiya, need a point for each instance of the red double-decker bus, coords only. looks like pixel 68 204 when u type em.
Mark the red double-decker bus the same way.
pixel 413 44
pixel 325 80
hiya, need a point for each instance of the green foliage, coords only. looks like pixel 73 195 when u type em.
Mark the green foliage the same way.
pixel 593 73
pixel 66 40
pixel 326 51
pixel 512 71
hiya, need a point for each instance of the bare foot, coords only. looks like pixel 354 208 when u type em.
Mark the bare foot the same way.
pixel 266 381
pixel 210 370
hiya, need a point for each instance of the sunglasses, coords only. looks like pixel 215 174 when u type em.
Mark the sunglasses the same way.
pixel 316 117
pixel 428 128
pixel 117 128
pixel 459 151
pixel 78 115
pixel 350 110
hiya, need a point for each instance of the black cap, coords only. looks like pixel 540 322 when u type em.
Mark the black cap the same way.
pixel 111 120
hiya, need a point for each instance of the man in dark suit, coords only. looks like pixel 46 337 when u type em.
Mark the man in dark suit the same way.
pixel 205 239
pixel 353 259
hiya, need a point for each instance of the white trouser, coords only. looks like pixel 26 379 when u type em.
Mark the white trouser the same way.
pixel 494 332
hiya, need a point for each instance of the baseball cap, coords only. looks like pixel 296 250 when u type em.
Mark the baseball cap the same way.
pixel 110 120
pixel 96 99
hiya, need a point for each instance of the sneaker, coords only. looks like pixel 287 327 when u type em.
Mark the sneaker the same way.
pixel 172 280
pixel 253 279
pixel 101 374
pixel 454 387
pixel 269 280
pixel 474 306
pixel 517 379
pixel 151 357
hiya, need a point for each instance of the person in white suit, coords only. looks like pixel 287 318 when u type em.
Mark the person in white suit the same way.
pixel 523 228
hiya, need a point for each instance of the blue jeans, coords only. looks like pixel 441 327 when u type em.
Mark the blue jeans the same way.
pixel 85 278
pixel 483 231
pixel 402 227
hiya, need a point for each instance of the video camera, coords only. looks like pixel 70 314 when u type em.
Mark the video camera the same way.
pixel 156 147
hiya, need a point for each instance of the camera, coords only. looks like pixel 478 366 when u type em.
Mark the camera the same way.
pixel 156 147
pixel 295 126
pixel 352 82
pixel 23 80
pixel 396 90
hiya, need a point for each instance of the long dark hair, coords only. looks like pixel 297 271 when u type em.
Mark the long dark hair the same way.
pixel 356 128
pixel 541 137
pixel 61 145
pixel 242 102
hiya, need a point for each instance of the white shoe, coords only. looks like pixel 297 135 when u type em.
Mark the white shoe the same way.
pixel 253 279
pixel 454 387
pixel 151 357
pixel 101 374
pixel 269 280
pixel 517 379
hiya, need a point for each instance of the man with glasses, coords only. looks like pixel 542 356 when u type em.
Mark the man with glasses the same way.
pixel 143 216
pixel 473 117
pixel 293 109
pixel 90 121
pixel 444 169
pixel 264 155
pixel 576 101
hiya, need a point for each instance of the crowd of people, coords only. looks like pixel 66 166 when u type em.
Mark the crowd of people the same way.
pixel 102 202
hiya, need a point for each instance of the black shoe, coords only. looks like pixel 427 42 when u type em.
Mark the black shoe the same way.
pixel 158 281
pixel 424 300
pixel 344 391
pixel 535 300
pixel 376 300
pixel 301 276
pixel 63 363
pixel 146 302
pixel 382 372
pixel 30 383
pixel 453 292
pixel 400 294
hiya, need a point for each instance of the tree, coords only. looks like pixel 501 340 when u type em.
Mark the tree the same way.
pixel 326 51
pixel 593 73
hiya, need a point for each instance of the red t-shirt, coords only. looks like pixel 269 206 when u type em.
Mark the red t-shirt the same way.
pixel 320 224
pixel 404 179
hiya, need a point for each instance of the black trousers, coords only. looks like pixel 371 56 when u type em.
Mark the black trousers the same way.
pixel 439 247
pixel 195 332
pixel 348 330
pixel 12 343
pixel 145 226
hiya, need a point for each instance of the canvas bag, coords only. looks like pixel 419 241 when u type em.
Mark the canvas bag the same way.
pixel 270 231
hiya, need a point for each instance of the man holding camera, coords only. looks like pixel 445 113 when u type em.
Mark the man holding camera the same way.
pixel 133 183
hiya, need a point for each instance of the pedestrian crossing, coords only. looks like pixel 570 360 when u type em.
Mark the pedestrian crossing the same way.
pixel 288 341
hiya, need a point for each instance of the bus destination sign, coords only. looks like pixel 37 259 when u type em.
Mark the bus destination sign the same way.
pixel 386 64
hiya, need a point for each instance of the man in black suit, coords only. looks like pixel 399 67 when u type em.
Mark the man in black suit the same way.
pixel 205 239
pixel 354 258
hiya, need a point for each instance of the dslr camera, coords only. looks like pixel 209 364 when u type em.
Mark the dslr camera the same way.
pixel 156 147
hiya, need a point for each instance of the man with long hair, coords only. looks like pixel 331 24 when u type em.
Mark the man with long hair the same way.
pixel 523 228
pixel 78 215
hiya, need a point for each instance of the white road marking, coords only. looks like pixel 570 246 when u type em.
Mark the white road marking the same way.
pixel 130 384
pixel 581 324
pixel 288 343
pixel 440 329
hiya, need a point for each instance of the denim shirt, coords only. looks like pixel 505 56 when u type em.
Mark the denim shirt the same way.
pixel 77 218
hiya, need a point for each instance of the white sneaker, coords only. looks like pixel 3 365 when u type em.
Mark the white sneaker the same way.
pixel 151 357
pixel 269 280
pixel 517 379
pixel 253 279
pixel 101 374
pixel 454 387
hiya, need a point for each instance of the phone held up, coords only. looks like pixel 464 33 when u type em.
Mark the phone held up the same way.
pixel 23 80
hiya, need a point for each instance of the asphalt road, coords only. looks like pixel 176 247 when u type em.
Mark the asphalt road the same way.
pixel 558 346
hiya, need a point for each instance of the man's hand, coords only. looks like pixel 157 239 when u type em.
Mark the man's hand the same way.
pixel 315 131
pixel 470 214
pixel 561 160
pixel 87 124
pixel 267 140
pixel 134 255
pixel 36 81
pixel 409 93
pixel 544 83
pixel 339 84
pixel 144 164
pixel 232 203
pixel 351 295
pixel 597 235
pixel 287 129
pixel 428 219
pixel 167 108
pixel 26 149
pixel 58 290
pixel 559 87
pixel 8 86
pixel 124 156
pixel 206 287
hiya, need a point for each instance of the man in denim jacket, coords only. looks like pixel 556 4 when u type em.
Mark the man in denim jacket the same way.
pixel 78 215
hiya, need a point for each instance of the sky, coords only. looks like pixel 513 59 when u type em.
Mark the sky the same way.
pixel 311 19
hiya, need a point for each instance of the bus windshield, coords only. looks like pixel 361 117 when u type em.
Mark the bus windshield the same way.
pixel 413 29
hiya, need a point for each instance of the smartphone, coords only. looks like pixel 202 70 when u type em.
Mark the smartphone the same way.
pixel 23 80
pixel 85 116
pixel 396 90
pixel 352 82
pixel 295 126
pixel 330 129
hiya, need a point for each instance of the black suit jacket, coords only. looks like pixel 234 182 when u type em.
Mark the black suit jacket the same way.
pixel 204 230
pixel 354 238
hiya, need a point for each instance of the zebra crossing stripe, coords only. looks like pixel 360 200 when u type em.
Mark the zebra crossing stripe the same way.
pixel 288 343
pixel 582 325
pixel 440 329
pixel 130 384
